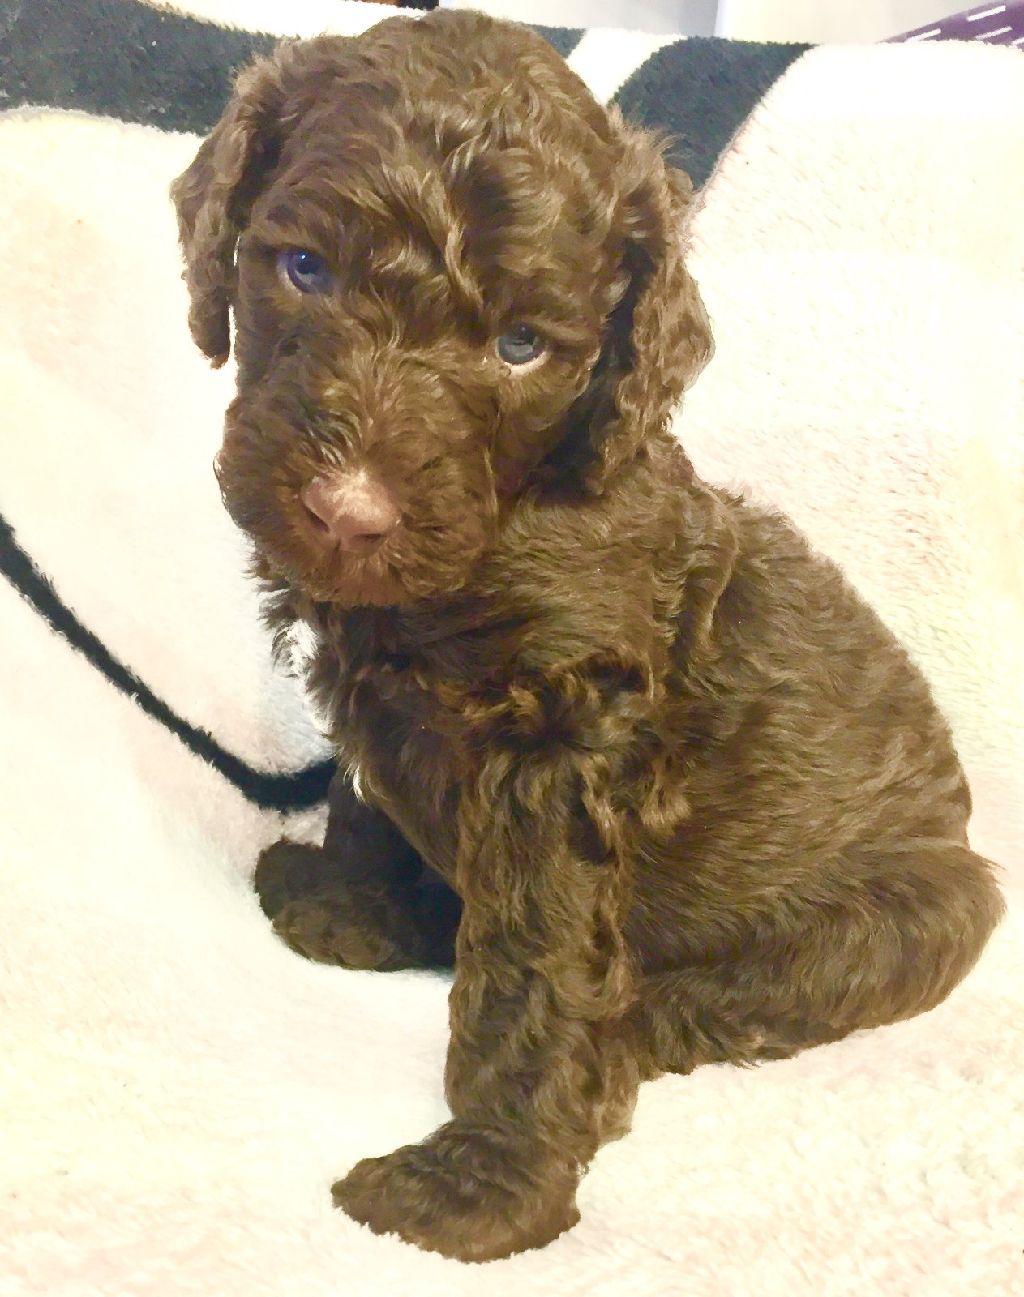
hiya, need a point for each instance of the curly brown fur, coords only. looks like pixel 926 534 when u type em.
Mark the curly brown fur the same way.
pixel 694 800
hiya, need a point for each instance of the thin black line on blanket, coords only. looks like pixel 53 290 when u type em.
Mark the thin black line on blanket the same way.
pixel 288 792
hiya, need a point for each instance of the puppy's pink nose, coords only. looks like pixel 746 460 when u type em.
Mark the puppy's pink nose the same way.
pixel 356 511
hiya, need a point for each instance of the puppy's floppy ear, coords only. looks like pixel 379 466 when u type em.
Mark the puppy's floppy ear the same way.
pixel 214 194
pixel 659 334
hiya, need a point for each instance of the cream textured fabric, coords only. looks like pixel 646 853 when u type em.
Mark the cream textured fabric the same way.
pixel 178 1090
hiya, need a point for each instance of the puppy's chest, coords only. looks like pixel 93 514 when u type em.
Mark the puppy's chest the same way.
pixel 389 712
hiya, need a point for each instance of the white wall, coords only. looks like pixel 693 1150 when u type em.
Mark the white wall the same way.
pixel 689 17
pixel 780 20
pixel 828 20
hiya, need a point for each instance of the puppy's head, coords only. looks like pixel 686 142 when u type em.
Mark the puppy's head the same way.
pixel 452 273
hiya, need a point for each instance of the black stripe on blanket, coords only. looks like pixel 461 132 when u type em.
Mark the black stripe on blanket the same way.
pixel 287 792
pixel 124 60
pixel 700 91
pixel 119 59
pixel 564 39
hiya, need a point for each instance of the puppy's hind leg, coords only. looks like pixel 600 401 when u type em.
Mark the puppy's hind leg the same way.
pixel 363 900
pixel 888 935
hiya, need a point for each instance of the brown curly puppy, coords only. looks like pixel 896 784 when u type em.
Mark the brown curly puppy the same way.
pixel 691 798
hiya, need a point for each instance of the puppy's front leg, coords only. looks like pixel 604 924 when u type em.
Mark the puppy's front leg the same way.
pixel 538 1072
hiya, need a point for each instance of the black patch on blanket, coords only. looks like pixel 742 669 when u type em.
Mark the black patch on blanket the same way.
pixel 564 39
pixel 120 59
pixel 287 792
pixel 9 10
pixel 124 60
pixel 700 91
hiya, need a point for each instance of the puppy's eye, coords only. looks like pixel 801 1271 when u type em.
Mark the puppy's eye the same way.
pixel 520 345
pixel 306 271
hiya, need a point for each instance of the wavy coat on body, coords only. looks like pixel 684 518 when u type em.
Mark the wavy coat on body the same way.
pixel 628 754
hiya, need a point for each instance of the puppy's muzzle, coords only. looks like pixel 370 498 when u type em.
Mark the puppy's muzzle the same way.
pixel 352 509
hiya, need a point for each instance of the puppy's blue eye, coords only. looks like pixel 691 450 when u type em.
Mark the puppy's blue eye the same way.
pixel 306 270
pixel 520 345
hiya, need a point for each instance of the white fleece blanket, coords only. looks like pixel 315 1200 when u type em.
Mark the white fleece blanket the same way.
pixel 177 1089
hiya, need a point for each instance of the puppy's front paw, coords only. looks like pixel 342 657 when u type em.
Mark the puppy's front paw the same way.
pixel 469 1192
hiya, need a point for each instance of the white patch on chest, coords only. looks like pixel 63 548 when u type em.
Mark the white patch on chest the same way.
pixel 356 775
pixel 302 645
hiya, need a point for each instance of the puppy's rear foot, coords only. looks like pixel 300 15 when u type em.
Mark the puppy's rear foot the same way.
pixel 287 871
pixel 325 918
pixel 330 930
